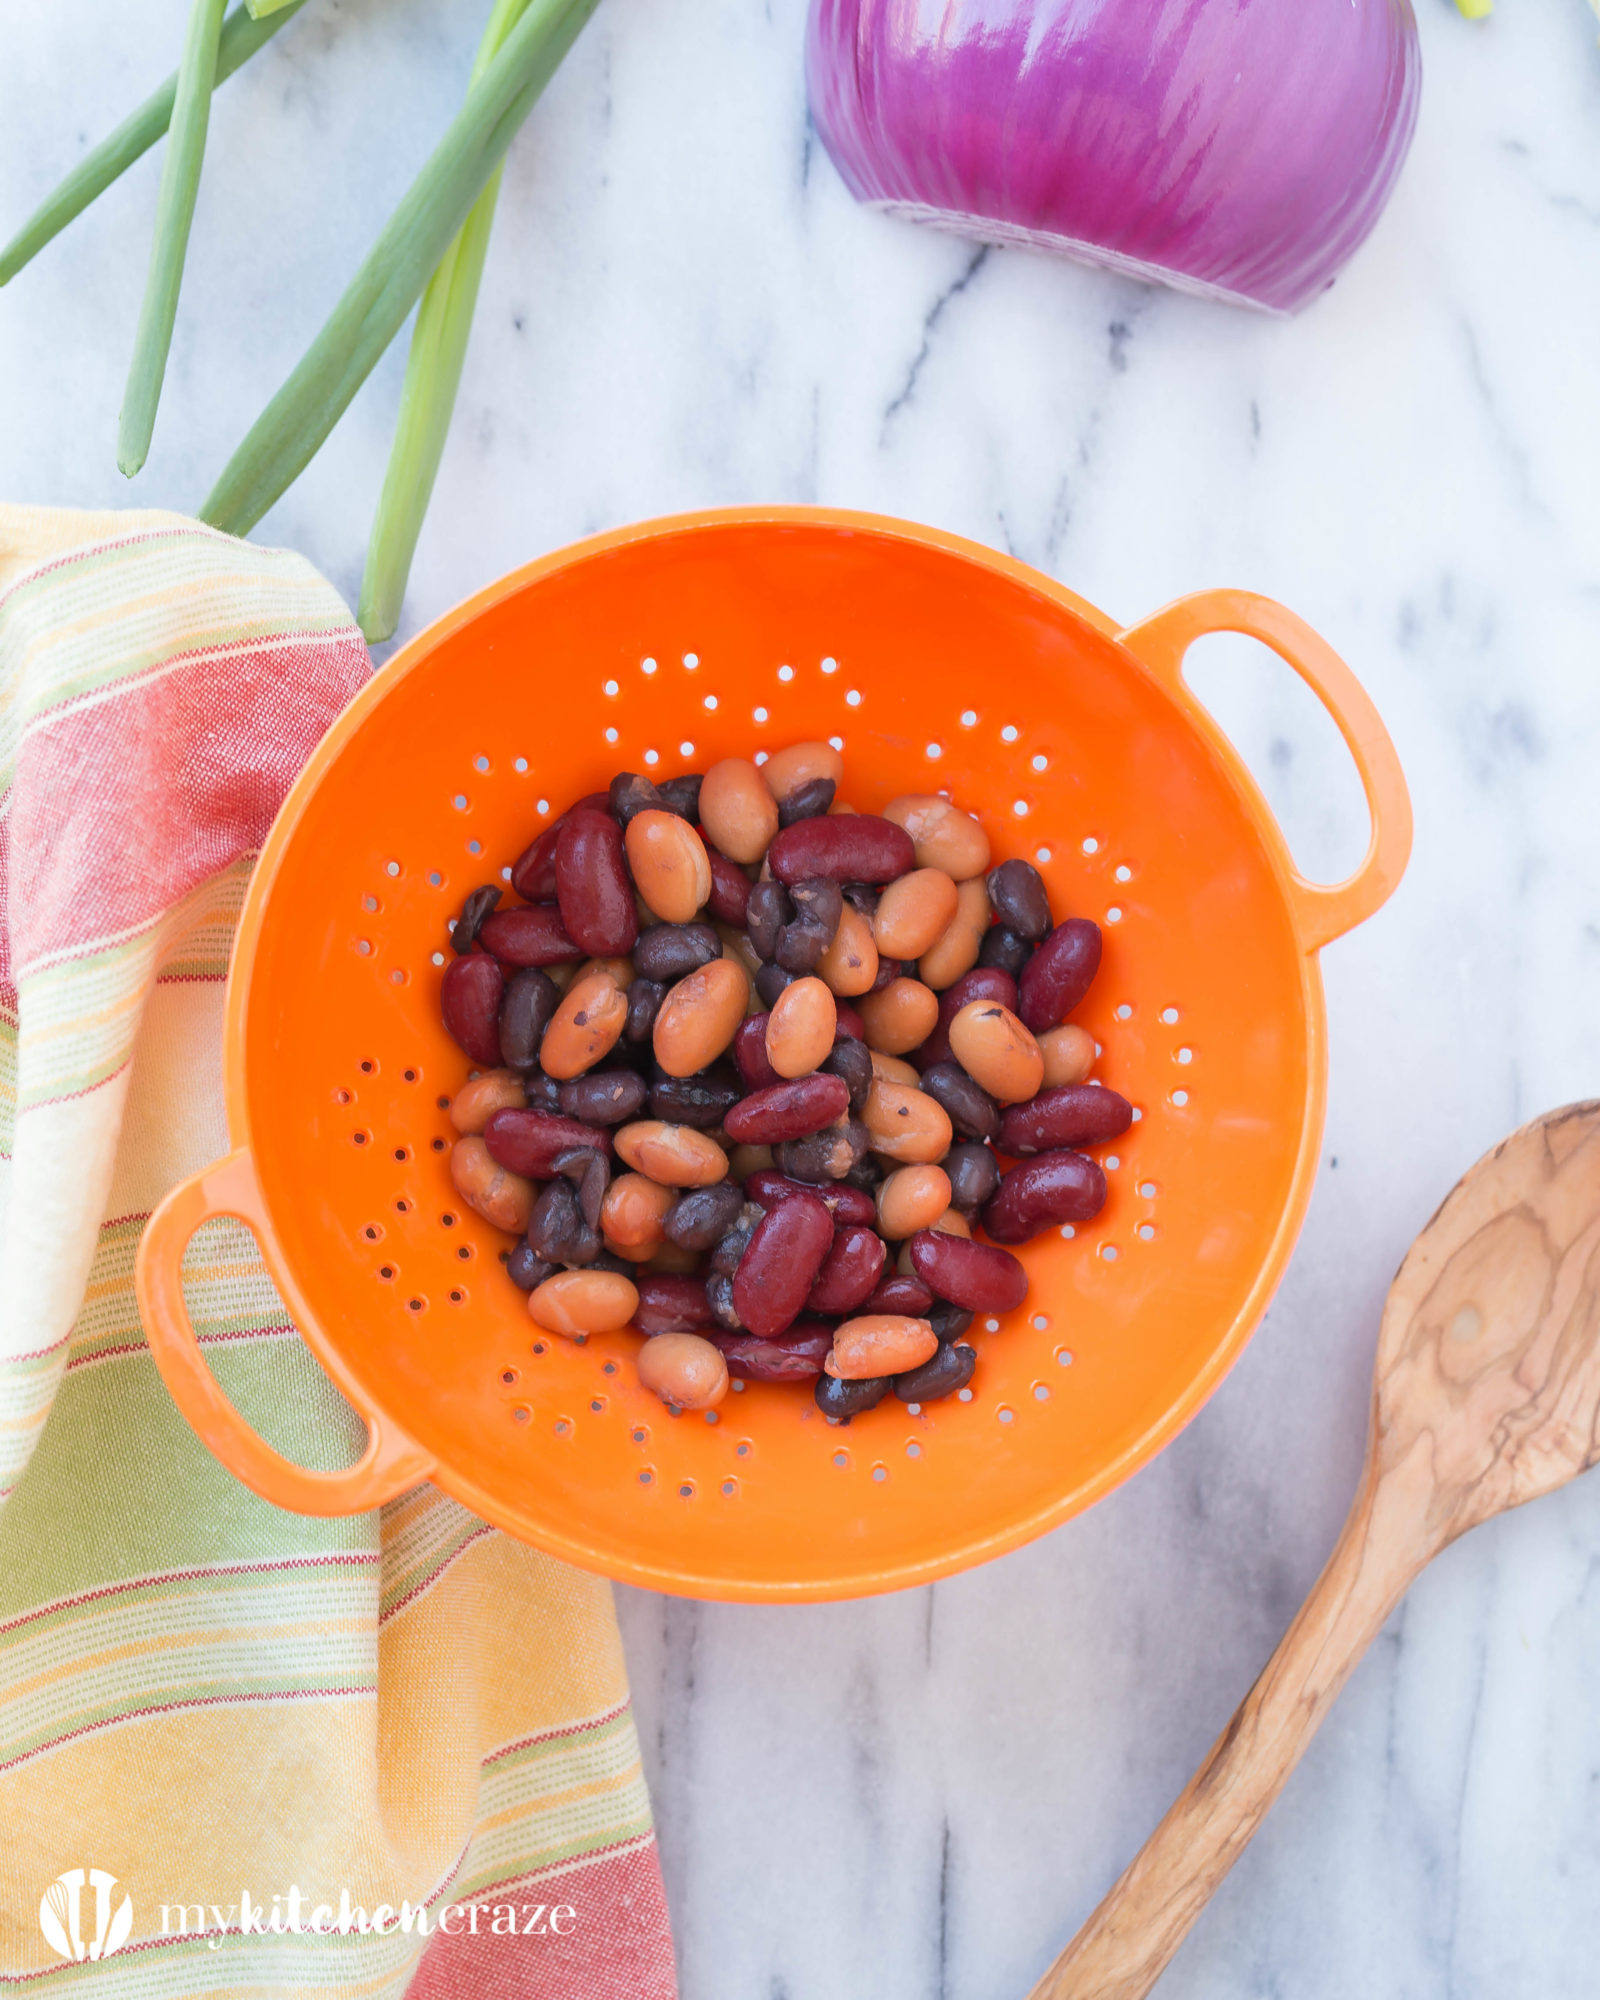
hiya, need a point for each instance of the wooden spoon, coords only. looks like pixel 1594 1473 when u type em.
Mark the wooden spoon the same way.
pixel 1486 1394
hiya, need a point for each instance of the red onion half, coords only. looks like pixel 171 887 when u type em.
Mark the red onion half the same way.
pixel 1239 148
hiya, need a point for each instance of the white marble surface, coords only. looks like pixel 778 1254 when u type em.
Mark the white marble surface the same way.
pixel 918 1798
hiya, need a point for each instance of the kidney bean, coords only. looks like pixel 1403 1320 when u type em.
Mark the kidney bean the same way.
pixel 850 963
pixel 699 1017
pixel 880 1344
pixel 671 1305
pixel 840 1401
pixel 783 1258
pixel 942 835
pixel 488 1188
pixel 798 764
pixel 644 1003
pixel 772 980
pixel 666 952
pixel 750 1053
pixel 1006 950
pixel 469 1000
pixel 730 889
pixel 533 875
pixel 527 1005
pixel 604 1097
pixel 949 1370
pixel 974 1175
pixel 788 1110
pixel 719 1301
pixel 1017 894
pixel 684 1370
pixel 978 1276
pixel 973 1112
pixel 849 1022
pixel 913 913
pixel 1075 1114
pixel 849 1272
pixel 475 1103
pixel 905 1124
pixel 737 810
pixel 633 1216
pixel 806 801
pixel 1059 973
pixel 669 864
pixel 584 1302
pixel 529 1142
pixel 852 1061
pixel 893 1070
pixel 592 885
pixel 767 912
pixel 795 1355
pixel 702 1217
pixel 586 1026
pixel 1068 1054
pixel 631 795
pixel 996 1051
pixel 906 1296
pixel 983 982
pixel 901 1017
pixel 949 1322
pixel 847 1204
pixel 827 1155
pixel 1048 1189
pixel 911 1198
pixel 858 847
pixel 956 949
pixel 464 931
pixel 530 934
pixel 682 795
pixel 801 1027
pixel 558 1230
pixel 526 1268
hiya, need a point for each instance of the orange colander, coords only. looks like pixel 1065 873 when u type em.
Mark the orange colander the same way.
pixel 660 648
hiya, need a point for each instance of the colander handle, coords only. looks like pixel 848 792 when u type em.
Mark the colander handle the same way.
pixel 1323 911
pixel 391 1462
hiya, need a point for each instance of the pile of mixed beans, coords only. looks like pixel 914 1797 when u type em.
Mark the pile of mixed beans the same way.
pixel 751 1066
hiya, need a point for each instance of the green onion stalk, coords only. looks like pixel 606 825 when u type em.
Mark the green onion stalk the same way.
pixel 433 375
pixel 294 425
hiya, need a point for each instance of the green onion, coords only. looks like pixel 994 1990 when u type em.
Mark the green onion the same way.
pixel 180 183
pixel 292 428
pixel 433 375
pixel 241 37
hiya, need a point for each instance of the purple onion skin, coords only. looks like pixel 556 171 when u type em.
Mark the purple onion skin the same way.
pixel 1239 149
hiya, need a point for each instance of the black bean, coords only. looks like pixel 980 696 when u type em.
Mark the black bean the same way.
pixel 542 1092
pixel 719 1296
pixel 853 1061
pixel 770 982
pixel 730 1248
pixel 589 1171
pixel 527 1268
pixel 800 947
pixel 682 796
pixel 828 1155
pixel 948 1322
pixel 703 1216
pixel 820 902
pixel 974 1175
pixel 666 952
pixel 948 1370
pixel 464 931
pixel 1005 950
pixel 765 915
pixel 865 1174
pixel 807 801
pixel 844 1400
pixel 609 1261
pixel 530 998
pixel 862 896
pixel 702 1100
pixel 604 1096
pixel 644 1003
pixel 557 1232
pixel 973 1112
pixel 631 794
pixel 1017 897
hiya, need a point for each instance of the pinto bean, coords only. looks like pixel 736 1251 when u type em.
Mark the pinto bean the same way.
pixel 905 1124
pixel 1059 973
pixel 859 847
pixel 737 809
pixel 788 1110
pixel 785 771
pixel 974 1175
pixel 675 1155
pixel 527 1005
pixel 1077 1114
pixel 530 934
pixel 901 1017
pixel 699 1017
pixel 702 1101
pixel 801 1027
pixel 533 874
pixel 488 1188
pixel 880 1344
pixel 782 1260
pixel 795 1355
pixel 671 1305
pixel 978 1276
pixel 840 1401
pixel 670 951
pixel 530 1142
pixel 956 949
pixel 846 1204
pixel 905 1295
pixel 469 1000
pixel 587 1025
pixel 849 1272
pixel 996 1051
pixel 592 885
pixel 912 1198
pixel 1068 1053
pixel 634 1214
pixel 981 983
pixel 893 1070
pixel 584 1302
pixel 1051 1188
pixel 850 963
pixel 1005 949
pixel 949 1370
pixel 913 913
pixel 973 1112
pixel 669 864
pixel 730 889
pixel 604 1097
pixel 703 1217
pixel 942 835
pixel 475 1103
pixel 1017 892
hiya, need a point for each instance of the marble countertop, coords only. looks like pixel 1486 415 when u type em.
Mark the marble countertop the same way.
pixel 918 1798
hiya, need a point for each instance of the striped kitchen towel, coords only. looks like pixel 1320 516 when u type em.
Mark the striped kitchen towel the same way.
pixel 241 1751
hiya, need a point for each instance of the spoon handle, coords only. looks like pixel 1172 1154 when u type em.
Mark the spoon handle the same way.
pixel 1126 1945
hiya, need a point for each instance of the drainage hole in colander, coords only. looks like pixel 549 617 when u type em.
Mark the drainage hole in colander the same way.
pixel 402 1153
pixel 367 1066
pixel 611 736
pixel 521 1413
pixel 1020 808
pixel 1112 1162
pixel 447 1221
pixel 743 1448
pixel 443 1103
pixel 712 1417
pixel 647 666
pixel 969 718
pixel 372 1232
pixel 852 697
pixel 341 1097
pixel 1184 1056
pixel 1041 855
pixel 415 1305
pixel 880 1472
pixel 729 1488
pixel 934 751
pixel 1041 763
pixel 841 1459
pixel 466 1251
pixel 786 673
pixel 508 1376
pixel 1041 1392
pixel 435 879
pixel 391 868
pixel 460 802
pixel 830 665
pixel 1091 845
pixel 1124 1012
pixel 474 846
pixel 1147 1231
pixel 1114 915
pixel 1064 1356
pixel 537 1347
pixel 364 946
pixel 385 1270
pixel 913 1449
pixel 759 715
pixel 609 1369
pixel 1109 1252
pixel 369 903
pixel 646 1477
pixel 1123 873
pixel 457 1297
pixel 519 764
pixel 1041 1321
pixel 439 1145
pixel 480 763
pixel 410 1075
pixel 991 1326
pixel 686 1490
pixel 1180 1098
pixel 361 1138
pixel 402 1206
pixel 691 661
pixel 1068 1230
pixel 963 1395
pixel 913 1409
pixel 562 1427
pixel 597 1404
